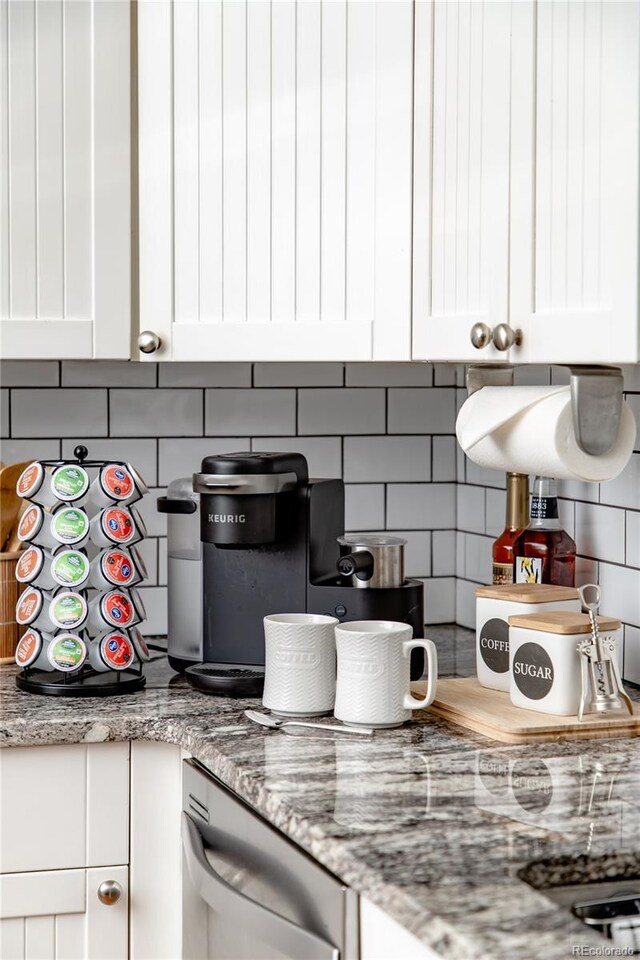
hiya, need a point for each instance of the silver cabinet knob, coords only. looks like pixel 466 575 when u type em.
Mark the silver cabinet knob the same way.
pixel 505 336
pixel 148 341
pixel 480 335
pixel 109 892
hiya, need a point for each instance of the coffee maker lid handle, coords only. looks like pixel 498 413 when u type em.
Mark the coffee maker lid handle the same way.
pixel 245 485
pixel 173 505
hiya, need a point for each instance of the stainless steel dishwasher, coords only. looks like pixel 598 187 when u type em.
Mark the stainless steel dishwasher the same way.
pixel 248 892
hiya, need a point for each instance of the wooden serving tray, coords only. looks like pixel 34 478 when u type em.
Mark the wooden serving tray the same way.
pixel 490 712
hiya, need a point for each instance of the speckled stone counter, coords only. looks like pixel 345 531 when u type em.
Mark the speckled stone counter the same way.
pixel 432 823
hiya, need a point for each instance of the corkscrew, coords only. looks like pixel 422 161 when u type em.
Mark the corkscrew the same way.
pixel 602 689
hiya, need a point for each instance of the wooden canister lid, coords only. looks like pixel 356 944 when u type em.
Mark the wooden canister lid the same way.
pixel 564 622
pixel 528 592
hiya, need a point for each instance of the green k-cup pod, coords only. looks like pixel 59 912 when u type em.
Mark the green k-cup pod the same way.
pixel 70 525
pixel 70 568
pixel 67 652
pixel 70 483
pixel 68 610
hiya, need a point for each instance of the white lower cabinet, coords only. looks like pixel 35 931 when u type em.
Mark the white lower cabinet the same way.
pixel 382 937
pixel 58 915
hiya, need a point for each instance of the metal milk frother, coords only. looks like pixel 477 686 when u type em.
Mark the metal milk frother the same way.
pixel 602 689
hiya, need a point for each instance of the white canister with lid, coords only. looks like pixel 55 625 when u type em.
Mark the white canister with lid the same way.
pixel 494 606
pixel 544 663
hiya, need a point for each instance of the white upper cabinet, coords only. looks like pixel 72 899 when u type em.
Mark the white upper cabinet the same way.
pixel 65 189
pixel 574 211
pixel 275 172
pixel 526 193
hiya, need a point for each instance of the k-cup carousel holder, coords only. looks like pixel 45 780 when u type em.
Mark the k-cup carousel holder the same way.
pixel 88 644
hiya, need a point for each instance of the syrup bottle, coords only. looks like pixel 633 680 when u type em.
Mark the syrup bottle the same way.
pixel 545 553
pixel 516 521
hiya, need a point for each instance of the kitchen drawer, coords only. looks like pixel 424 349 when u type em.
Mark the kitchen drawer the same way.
pixel 64 807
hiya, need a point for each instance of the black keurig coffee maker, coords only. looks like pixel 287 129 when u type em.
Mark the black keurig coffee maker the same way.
pixel 270 544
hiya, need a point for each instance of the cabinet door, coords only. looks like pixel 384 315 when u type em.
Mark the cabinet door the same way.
pixel 575 168
pixel 65 230
pixel 382 937
pixel 275 161
pixel 461 175
pixel 58 915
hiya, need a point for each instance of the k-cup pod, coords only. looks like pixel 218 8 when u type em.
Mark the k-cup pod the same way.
pixel 117 525
pixel 31 609
pixel 139 645
pixel 116 609
pixel 33 564
pixel 115 567
pixel 141 486
pixel 66 652
pixel 32 650
pixel 70 568
pixel 113 485
pixel 112 651
pixel 31 526
pixel 70 483
pixel 33 484
pixel 70 526
pixel 68 610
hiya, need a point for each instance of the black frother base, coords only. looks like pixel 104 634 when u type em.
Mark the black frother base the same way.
pixel 90 685
pixel 221 681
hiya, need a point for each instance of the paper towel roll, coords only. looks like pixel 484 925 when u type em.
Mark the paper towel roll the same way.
pixel 530 430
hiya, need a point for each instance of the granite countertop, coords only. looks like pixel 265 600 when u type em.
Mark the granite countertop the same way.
pixel 433 823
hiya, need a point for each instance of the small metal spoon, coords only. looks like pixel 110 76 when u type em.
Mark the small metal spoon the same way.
pixel 276 724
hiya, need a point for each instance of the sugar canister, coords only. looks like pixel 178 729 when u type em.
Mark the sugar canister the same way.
pixel 545 670
pixel 494 606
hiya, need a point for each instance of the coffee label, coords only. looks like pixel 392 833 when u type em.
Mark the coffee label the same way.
pixel 67 652
pixel 29 480
pixel 544 508
pixel 116 651
pixel 117 608
pixel 29 565
pixel 70 483
pixel 68 610
pixel 70 568
pixel 117 482
pixel 29 606
pixel 28 648
pixel 30 522
pixel 117 568
pixel 118 525
pixel 528 569
pixel 494 644
pixel 532 785
pixel 70 525
pixel 502 573
pixel 533 671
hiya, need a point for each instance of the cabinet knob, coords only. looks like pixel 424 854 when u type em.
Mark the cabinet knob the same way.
pixel 109 892
pixel 148 341
pixel 505 336
pixel 480 335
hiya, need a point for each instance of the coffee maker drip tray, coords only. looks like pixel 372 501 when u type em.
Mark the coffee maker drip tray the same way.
pixel 226 679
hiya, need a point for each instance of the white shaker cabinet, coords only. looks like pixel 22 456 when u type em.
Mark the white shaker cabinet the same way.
pixel 526 188
pixel 65 185
pixel 382 937
pixel 275 172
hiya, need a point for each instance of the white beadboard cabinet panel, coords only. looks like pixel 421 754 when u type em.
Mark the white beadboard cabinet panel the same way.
pixel 275 171
pixel 89 781
pixel 65 198
pixel 58 915
pixel 463 54
pixel 575 182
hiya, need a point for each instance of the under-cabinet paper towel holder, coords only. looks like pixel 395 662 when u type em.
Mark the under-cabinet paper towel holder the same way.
pixel 596 399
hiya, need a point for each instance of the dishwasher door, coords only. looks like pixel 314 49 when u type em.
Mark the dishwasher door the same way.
pixel 248 892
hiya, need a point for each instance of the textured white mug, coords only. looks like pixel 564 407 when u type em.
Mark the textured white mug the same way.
pixel 299 664
pixel 373 683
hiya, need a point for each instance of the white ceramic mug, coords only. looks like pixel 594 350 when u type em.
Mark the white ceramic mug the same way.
pixel 300 664
pixel 373 682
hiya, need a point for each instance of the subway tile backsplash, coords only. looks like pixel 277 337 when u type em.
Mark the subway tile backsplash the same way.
pixel 387 429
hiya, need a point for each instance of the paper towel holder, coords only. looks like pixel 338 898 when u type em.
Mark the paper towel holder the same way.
pixel 596 399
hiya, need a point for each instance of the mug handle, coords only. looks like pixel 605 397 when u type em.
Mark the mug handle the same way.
pixel 409 702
